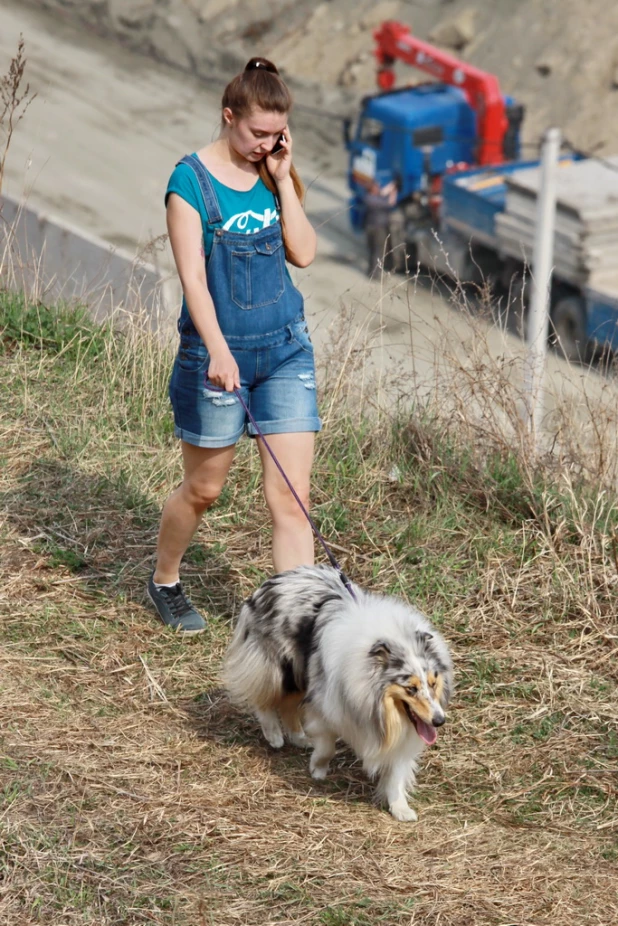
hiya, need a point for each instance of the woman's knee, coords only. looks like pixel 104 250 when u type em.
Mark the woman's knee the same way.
pixel 200 494
pixel 205 472
pixel 283 505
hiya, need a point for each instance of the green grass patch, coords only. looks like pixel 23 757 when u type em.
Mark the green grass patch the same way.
pixel 59 329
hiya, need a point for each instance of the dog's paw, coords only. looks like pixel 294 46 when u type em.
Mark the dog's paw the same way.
pixel 318 772
pixel 274 738
pixel 271 728
pixel 299 739
pixel 403 812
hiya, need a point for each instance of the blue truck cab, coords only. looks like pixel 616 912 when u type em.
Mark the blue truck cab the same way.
pixel 411 135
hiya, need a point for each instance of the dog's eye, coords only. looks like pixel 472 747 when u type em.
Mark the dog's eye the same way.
pixel 412 690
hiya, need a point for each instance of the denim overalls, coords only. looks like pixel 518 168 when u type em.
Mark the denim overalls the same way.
pixel 260 313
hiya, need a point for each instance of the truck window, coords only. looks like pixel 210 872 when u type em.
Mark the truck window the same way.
pixel 428 137
pixel 371 132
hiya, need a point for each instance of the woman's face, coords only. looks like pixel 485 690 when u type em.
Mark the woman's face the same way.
pixel 254 136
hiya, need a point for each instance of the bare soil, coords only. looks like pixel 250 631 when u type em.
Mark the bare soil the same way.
pixel 558 57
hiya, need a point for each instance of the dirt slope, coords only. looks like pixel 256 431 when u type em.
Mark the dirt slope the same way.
pixel 559 57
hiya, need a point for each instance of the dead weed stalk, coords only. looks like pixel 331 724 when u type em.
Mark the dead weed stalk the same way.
pixel 14 100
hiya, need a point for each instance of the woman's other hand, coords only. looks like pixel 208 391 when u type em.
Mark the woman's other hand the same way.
pixel 223 370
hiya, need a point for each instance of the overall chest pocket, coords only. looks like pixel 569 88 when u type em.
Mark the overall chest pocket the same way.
pixel 257 275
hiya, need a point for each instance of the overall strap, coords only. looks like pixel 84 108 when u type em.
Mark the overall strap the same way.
pixel 211 203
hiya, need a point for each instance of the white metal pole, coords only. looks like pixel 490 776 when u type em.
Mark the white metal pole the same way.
pixel 538 323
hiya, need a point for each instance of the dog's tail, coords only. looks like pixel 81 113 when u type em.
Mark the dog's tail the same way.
pixel 252 679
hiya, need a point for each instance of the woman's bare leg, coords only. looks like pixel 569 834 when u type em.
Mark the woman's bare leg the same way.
pixel 205 471
pixel 292 542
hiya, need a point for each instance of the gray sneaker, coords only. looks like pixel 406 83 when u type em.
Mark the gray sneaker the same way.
pixel 175 609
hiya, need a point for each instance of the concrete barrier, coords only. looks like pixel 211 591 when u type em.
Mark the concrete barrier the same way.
pixel 52 260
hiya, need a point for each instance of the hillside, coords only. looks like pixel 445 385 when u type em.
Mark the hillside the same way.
pixel 134 794
pixel 556 56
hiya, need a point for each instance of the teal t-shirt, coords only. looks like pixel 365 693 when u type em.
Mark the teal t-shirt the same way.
pixel 244 212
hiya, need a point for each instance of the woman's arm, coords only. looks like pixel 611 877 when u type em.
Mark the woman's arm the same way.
pixel 184 226
pixel 300 238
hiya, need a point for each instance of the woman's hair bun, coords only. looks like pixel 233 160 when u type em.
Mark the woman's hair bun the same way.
pixel 264 64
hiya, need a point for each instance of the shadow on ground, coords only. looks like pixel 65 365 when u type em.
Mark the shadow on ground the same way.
pixel 213 719
pixel 104 530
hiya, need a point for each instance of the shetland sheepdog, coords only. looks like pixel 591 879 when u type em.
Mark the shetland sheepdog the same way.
pixel 316 664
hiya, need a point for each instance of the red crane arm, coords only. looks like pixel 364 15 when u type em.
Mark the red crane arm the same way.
pixel 395 41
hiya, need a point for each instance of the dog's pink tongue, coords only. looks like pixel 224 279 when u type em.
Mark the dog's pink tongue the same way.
pixel 426 732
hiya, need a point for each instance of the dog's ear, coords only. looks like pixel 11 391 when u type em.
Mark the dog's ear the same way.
pixel 423 638
pixel 381 652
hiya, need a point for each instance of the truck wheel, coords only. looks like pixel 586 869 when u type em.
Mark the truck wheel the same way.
pixel 568 328
pixel 481 275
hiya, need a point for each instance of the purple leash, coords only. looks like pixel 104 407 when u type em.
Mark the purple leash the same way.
pixel 317 533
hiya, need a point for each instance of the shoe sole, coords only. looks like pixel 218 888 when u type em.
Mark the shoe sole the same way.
pixel 179 630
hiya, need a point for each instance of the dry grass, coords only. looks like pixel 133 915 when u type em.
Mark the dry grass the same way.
pixel 133 793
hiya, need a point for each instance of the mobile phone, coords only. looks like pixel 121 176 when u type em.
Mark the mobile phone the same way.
pixel 278 146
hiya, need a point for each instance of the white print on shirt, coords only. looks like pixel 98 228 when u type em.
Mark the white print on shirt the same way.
pixel 240 221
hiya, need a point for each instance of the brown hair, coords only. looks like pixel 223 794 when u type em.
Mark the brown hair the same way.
pixel 259 86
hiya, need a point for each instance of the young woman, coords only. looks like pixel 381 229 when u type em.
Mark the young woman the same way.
pixel 234 215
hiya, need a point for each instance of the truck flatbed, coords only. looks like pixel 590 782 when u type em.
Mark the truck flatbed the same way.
pixel 473 199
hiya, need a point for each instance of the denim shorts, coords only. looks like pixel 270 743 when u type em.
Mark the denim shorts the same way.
pixel 277 380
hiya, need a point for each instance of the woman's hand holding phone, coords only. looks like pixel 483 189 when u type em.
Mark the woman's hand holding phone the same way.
pixel 279 160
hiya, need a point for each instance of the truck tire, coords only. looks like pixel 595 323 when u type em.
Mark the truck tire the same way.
pixel 568 328
pixel 481 275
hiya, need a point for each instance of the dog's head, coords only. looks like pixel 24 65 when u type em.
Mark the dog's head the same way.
pixel 415 680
